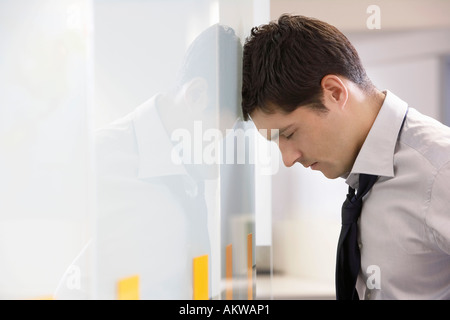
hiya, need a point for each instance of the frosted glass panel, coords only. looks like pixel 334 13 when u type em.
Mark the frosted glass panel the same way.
pixel 172 194
pixel 45 165
pixel 126 170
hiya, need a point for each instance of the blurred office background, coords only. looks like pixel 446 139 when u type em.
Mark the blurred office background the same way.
pixel 71 68
pixel 409 55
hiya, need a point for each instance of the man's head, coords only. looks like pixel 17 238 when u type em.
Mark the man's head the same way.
pixel 208 76
pixel 284 62
pixel 303 77
pixel 204 99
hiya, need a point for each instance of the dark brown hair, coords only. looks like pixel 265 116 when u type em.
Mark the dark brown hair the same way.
pixel 284 62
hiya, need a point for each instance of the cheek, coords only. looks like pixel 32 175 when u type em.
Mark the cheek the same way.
pixel 330 144
pixel 331 148
pixel 325 142
pixel 343 155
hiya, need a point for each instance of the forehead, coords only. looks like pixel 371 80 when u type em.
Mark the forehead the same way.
pixel 271 125
pixel 273 120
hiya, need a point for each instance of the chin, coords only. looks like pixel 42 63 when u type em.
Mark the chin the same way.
pixel 331 175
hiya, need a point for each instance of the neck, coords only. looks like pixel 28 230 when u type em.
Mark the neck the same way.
pixel 374 102
pixel 368 107
pixel 167 108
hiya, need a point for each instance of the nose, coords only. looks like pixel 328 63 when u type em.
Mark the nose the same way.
pixel 289 153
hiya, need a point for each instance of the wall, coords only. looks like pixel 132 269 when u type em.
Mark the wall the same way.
pixel 406 56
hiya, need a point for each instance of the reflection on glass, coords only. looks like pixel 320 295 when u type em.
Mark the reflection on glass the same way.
pixel 152 168
pixel 139 207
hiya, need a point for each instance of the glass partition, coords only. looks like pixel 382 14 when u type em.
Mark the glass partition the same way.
pixel 175 178
pixel 46 184
pixel 127 172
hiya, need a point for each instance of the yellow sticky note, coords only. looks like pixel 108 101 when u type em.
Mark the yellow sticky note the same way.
pixel 128 288
pixel 48 297
pixel 200 278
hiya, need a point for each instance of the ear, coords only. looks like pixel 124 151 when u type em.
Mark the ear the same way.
pixel 334 91
pixel 195 94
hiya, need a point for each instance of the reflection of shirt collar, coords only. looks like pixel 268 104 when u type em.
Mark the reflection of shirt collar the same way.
pixel 376 156
pixel 154 144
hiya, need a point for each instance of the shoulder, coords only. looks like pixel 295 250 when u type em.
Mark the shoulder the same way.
pixel 426 153
pixel 427 137
pixel 115 146
pixel 115 136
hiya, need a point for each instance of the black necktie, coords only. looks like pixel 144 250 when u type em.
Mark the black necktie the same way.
pixel 348 256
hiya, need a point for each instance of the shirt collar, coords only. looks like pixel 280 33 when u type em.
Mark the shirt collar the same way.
pixel 376 156
pixel 154 144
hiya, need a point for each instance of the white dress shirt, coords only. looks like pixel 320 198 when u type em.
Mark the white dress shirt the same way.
pixel 404 228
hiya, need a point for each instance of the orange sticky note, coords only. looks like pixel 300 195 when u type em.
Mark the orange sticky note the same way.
pixel 200 278
pixel 229 272
pixel 250 266
pixel 128 288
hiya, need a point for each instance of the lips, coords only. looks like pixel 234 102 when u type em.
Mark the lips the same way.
pixel 309 165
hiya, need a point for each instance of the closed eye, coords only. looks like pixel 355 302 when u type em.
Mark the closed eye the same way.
pixel 285 131
pixel 289 136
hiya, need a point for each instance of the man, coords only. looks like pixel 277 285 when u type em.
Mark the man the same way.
pixel 304 81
